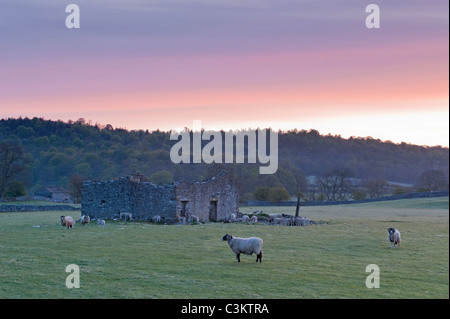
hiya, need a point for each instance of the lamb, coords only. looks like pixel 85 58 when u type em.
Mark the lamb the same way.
pixel 85 219
pixel 246 246
pixel 254 219
pixel 67 221
pixel 156 219
pixel 195 219
pixel 101 222
pixel 245 218
pixel 394 237
pixel 181 220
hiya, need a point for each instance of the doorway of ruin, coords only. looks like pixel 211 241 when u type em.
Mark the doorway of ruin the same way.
pixel 183 208
pixel 213 210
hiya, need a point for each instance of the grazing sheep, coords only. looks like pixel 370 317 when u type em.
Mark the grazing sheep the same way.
pixel 246 246
pixel 195 219
pixel 181 220
pixel 85 219
pixel 126 216
pixel 245 218
pixel 231 218
pixel 301 221
pixel 254 219
pixel 280 221
pixel 394 237
pixel 67 221
pixel 101 222
pixel 156 219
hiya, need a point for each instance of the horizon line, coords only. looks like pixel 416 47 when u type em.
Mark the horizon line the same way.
pixel 101 126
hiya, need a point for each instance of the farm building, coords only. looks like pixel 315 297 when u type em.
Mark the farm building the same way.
pixel 211 200
pixel 54 193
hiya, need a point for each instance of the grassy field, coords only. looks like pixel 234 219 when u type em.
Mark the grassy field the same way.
pixel 37 203
pixel 143 260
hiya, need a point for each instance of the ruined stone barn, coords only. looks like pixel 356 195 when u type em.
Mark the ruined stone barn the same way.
pixel 214 199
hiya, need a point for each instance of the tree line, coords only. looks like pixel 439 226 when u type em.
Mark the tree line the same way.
pixel 37 152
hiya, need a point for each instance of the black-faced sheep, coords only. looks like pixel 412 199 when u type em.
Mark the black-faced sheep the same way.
pixel 85 219
pixel 67 221
pixel 394 237
pixel 246 246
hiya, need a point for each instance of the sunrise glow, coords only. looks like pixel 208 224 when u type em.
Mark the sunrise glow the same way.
pixel 161 65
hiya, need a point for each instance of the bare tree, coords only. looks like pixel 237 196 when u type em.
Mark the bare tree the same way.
pixel 376 187
pixel 433 180
pixel 336 184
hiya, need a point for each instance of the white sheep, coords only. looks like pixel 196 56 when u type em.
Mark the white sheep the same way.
pixel 126 216
pixel 254 219
pixel 193 219
pixel 101 222
pixel 67 221
pixel 280 221
pixel 231 218
pixel 85 219
pixel 394 237
pixel 156 219
pixel 301 221
pixel 245 218
pixel 246 246
pixel 181 220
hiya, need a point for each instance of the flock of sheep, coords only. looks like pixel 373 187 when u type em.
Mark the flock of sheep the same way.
pixel 69 222
pixel 271 219
pixel 238 245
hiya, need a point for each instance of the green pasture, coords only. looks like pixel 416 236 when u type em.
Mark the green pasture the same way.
pixel 144 260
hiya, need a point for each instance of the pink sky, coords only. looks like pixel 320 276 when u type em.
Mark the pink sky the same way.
pixel 270 64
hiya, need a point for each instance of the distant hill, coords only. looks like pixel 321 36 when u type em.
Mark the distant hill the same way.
pixel 58 150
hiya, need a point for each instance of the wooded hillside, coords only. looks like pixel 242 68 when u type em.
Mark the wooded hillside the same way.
pixel 55 151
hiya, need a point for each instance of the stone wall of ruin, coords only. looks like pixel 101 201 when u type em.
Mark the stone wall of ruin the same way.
pixel 131 194
pixel 107 199
pixel 199 198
